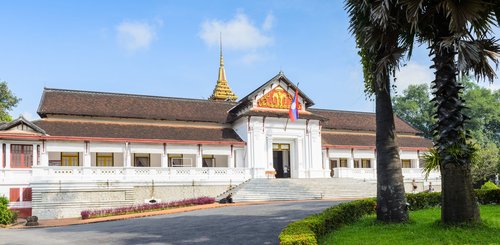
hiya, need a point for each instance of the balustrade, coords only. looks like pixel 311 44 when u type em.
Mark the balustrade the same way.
pixel 139 173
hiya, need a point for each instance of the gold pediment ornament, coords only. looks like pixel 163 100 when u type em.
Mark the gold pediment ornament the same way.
pixel 278 98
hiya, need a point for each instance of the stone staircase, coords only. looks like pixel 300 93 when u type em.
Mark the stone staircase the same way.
pixel 301 189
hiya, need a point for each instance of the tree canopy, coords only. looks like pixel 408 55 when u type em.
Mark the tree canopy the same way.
pixel 7 102
pixel 482 106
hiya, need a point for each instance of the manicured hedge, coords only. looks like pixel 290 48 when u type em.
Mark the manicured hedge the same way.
pixel 423 200
pixel 306 231
pixel 491 196
pixel 428 200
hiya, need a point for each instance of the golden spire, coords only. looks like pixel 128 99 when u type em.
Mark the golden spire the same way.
pixel 222 90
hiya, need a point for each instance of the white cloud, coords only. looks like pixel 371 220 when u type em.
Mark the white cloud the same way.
pixel 136 35
pixel 413 73
pixel 268 22
pixel 238 33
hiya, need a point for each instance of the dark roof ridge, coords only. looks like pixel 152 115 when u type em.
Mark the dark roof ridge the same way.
pixel 135 95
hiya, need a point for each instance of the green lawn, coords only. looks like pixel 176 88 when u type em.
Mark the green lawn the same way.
pixel 423 228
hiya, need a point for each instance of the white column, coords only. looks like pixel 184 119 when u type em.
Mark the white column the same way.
pixel 164 157
pixel 269 143
pixel 300 158
pixel 199 157
pixel 35 155
pixel 7 156
pixel 373 162
pixel 164 160
pixel 230 158
pixel 325 159
pixel 416 163
pixel 87 161
pixel 326 165
pixel 44 155
pixel 126 156
pixel 350 161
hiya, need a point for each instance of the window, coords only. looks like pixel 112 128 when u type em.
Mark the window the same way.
pixel 104 160
pixel 366 163
pixel 208 161
pixel 357 163
pixel 70 159
pixel 175 160
pixel 142 160
pixel 27 195
pixel 421 162
pixel 343 162
pixel 334 164
pixel 405 163
pixel 3 155
pixel 15 195
pixel 21 156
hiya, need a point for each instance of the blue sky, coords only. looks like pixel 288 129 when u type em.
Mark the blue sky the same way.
pixel 170 48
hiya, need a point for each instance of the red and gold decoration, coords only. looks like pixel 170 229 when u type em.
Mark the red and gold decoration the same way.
pixel 277 98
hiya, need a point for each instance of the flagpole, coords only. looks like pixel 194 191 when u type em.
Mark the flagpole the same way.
pixel 286 124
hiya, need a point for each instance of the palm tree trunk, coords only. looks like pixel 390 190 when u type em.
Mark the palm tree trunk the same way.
pixel 458 200
pixel 391 200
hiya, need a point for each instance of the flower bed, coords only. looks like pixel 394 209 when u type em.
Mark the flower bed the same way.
pixel 140 208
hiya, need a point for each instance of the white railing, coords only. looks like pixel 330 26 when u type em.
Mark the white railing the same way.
pixel 140 173
pixel 371 173
pixel 15 175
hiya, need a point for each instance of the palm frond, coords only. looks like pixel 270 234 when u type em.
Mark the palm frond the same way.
pixel 477 57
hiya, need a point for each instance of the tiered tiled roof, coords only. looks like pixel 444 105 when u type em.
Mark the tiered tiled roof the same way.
pixel 114 105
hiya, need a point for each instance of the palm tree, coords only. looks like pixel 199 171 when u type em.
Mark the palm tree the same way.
pixel 457 33
pixel 376 26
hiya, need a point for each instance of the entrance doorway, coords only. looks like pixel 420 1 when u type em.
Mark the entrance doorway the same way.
pixel 281 160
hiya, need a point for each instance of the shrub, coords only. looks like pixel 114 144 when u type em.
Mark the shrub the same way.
pixel 14 217
pixel 87 214
pixel 489 186
pixel 4 201
pixel 423 200
pixel 306 231
pixel 5 215
pixel 491 196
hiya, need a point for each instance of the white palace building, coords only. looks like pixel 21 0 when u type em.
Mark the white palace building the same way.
pixel 99 149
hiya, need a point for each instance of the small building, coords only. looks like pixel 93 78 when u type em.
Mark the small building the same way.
pixel 98 149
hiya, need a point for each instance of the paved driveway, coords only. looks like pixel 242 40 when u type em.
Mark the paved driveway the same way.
pixel 253 224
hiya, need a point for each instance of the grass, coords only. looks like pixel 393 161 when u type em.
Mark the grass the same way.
pixel 423 228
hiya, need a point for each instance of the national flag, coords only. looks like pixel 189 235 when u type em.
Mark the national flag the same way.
pixel 293 112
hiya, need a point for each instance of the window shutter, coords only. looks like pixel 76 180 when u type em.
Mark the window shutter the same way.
pixel 14 195
pixel 27 194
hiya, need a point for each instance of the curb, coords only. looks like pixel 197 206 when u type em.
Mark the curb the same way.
pixel 79 221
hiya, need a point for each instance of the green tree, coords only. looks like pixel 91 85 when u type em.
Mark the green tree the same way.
pixel 7 102
pixel 483 106
pixel 376 26
pixel 457 32
pixel 414 106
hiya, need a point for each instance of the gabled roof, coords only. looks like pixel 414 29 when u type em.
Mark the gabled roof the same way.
pixel 117 105
pixel 279 77
pixel 21 120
